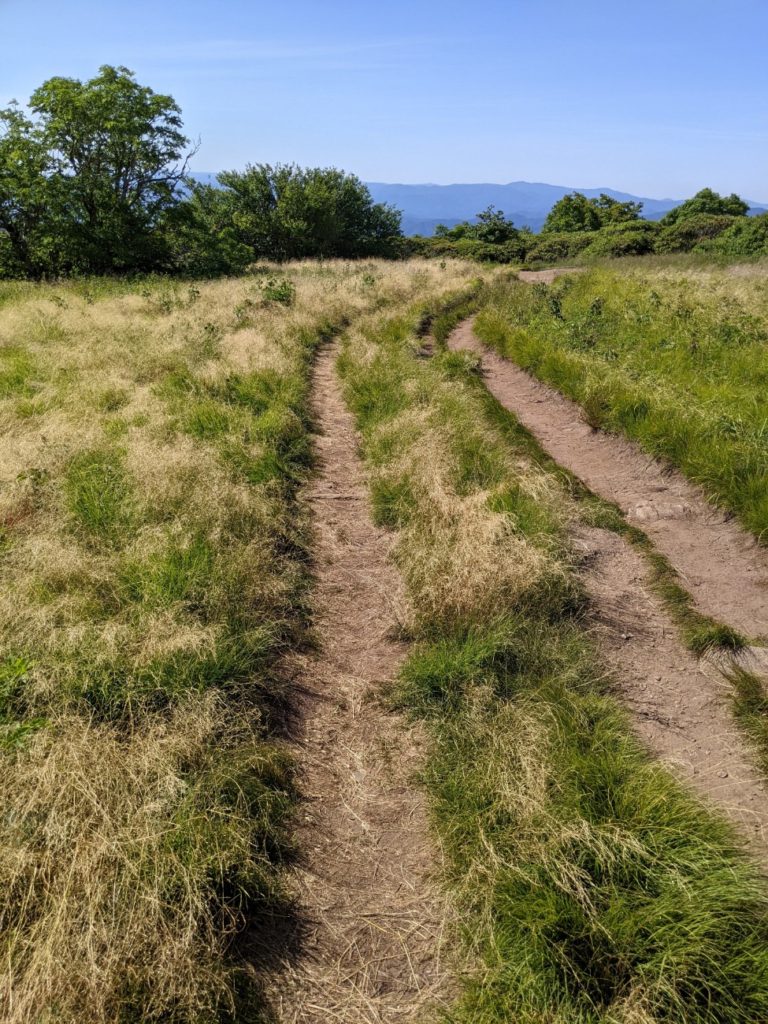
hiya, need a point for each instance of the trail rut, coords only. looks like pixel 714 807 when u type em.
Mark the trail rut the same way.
pixel 722 566
pixel 678 704
pixel 374 921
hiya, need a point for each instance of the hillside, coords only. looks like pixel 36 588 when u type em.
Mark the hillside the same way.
pixel 426 206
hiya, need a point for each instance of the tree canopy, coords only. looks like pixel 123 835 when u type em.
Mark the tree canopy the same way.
pixel 87 177
pixel 709 202
pixel 575 212
pixel 288 212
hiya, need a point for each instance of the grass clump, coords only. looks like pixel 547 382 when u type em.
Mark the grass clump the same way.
pixel 99 495
pixel 590 887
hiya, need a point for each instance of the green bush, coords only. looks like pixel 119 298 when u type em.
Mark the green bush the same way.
pixel 633 238
pixel 686 233
pixel 747 237
pixel 465 248
pixel 555 246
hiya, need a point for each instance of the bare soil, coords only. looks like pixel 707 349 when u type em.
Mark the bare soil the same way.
pixel 373 919
pixel 722 565
pixel 546 276
pixel 679 706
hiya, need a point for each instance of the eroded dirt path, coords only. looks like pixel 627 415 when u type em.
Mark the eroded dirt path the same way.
pixel 679 706
pixel 720 564
pixel 374 922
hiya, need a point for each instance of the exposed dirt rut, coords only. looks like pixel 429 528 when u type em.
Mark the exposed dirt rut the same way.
pixel 720 563
pixel 678 705
pixel 373 921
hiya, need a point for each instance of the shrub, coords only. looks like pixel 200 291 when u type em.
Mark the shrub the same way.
pixel 746 237
pixel 555 246
pixel 686 233
pixel 634 238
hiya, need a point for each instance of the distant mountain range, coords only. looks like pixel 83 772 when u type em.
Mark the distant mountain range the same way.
pixel 527 203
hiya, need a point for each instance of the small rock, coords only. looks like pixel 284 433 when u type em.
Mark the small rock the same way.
pixel 722 775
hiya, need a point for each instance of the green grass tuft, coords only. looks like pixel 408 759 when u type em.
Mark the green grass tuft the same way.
pixel 99 495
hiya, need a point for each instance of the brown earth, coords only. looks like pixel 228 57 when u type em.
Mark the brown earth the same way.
pixel 722 566
pixel 679 706
pixel 372 917
pixel 546 276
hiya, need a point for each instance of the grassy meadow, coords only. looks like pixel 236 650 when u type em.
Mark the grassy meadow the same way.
pixel 673 356
pixel 154 568
pixel 590 888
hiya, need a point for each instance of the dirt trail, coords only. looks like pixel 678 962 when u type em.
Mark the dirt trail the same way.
pixel 721 565
pixel 678 705
pixel 547 276
pixel 374 922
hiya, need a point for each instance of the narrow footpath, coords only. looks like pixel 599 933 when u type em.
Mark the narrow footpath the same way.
pixel 720 564
pixel 373 920
pixel 678 704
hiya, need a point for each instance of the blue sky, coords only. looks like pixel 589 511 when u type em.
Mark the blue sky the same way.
pixel 656 98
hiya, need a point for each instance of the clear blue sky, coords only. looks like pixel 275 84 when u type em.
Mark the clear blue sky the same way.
pixel 656 98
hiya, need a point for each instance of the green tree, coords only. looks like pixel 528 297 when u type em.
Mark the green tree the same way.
pixel 493 227
pixel 575 212
pixel 87 180
pixel 288 212
pixel 708 202
pixel 613 211
pixel 26 229
pixel 202 237
pixel 490 226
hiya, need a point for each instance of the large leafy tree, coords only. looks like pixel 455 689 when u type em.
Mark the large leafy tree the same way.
pixel 575 212
pixel 287 212
pixel 87 178
pixel 707 201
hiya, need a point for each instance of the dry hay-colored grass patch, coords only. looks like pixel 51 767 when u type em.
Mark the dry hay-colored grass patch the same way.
pixel 153 570
pixel 116 897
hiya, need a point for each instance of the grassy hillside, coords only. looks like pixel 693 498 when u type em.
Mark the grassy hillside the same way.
pixel 675 358
pixel 153 570
pixel 590 887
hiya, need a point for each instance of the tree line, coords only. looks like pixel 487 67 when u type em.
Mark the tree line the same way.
pixel 602 226
pixel 94 180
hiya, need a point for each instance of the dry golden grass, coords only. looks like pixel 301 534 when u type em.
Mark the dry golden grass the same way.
pixel 152 572
pixel 463 559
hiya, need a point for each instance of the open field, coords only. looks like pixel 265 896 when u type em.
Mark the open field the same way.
pixel 591 888
pixel 311 705
pixel 154 572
